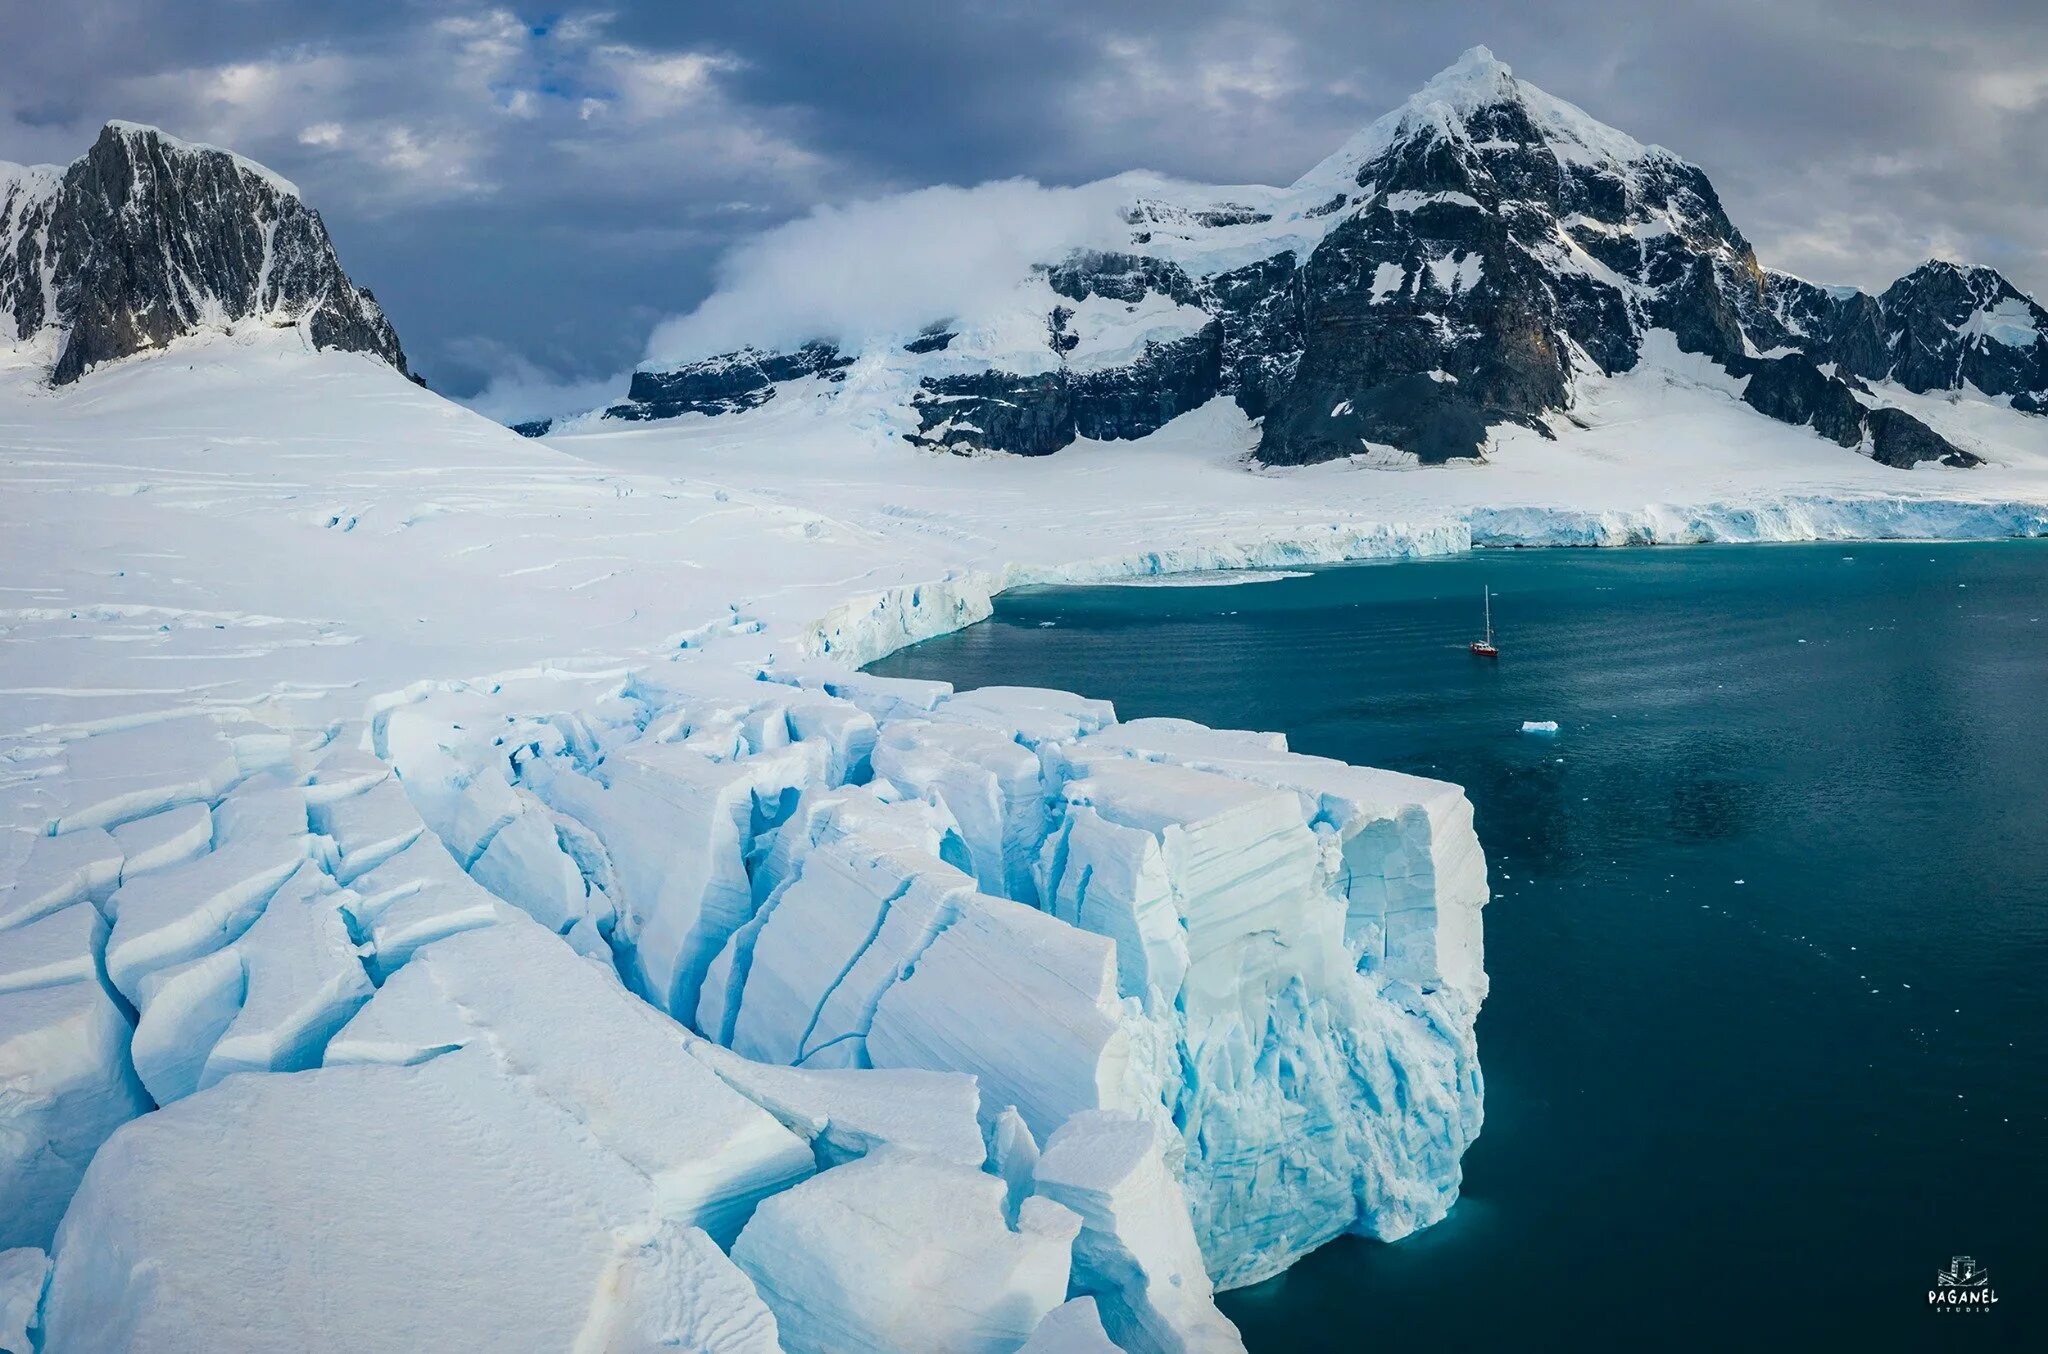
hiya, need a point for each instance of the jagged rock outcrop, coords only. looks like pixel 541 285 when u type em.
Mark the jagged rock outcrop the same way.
pixel 1037 415
pixel 146 238
pixel 1791 389
pixel 727 384
pixel 1940 327
pixel 1462 264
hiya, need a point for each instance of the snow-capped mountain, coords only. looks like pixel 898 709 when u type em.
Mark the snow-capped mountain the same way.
pixel 146 238
pixel 1942 326
pixel 1465 262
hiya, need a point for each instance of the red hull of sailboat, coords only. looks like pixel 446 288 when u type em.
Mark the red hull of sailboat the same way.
pixel 1485 650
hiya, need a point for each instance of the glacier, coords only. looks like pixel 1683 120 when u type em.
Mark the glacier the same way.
pixel 874 1015
pixel 545 952
pixel 461 892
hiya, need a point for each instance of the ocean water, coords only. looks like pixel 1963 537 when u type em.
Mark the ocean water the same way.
pixel 1767 1044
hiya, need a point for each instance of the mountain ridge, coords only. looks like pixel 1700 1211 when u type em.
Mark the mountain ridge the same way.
pixel 1461 263
pixel 147 237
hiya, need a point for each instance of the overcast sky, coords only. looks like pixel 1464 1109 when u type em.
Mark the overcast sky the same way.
pixel 530 190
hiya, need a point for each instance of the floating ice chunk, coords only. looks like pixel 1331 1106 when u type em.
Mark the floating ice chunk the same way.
pixel 846 1113
pixel 1137 1253
pixel 164 839
pixel 898 1251
pixel 1073 1327
pixel 23 1271
pixel 65 1078
pixel 1539 726
pixel 464 1210
pixel 564 1027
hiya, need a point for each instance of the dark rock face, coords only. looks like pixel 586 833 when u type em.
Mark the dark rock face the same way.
pixel 1028 415
pixel 1488 262
pixel 533 427
pixel 1260 307
pixel 1037 415
pixel 1899 439
pixel 147 238
pixel 725 384
pixel 1939 327
pixel 1792 390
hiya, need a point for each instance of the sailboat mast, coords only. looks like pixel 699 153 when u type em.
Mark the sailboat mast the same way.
pixel 1489 615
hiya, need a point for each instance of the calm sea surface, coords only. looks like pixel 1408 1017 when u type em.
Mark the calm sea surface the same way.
pixel 1767 1044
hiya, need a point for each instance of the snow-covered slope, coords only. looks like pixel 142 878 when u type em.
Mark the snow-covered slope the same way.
pixel 612 675
pixel 145 238
pixel 1473 263
pixel 457 892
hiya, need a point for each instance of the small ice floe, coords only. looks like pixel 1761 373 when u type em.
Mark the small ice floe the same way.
pixel 1539 726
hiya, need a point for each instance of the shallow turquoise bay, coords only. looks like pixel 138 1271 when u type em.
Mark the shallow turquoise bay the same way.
pixel 1769 936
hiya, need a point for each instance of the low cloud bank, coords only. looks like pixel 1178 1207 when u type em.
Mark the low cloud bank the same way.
pixel 890 265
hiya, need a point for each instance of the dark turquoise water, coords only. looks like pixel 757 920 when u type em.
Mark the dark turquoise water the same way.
pixel 1769 941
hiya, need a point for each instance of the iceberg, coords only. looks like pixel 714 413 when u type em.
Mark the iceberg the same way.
pixel 1539 726
pixel 957 1020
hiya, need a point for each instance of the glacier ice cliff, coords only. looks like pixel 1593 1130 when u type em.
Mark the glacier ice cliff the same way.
pixel 729 1006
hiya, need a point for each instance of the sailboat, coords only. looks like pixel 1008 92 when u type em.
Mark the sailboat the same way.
pixel 1484 647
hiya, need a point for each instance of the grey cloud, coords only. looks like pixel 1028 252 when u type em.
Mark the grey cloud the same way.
pixel 530 193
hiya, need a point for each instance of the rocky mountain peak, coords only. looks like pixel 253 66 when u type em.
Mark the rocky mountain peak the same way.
pixel 1478 105
pixel 147 237
pixel 1468 260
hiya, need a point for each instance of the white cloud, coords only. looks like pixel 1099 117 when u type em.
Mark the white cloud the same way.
pixel 890 265
pixel 519 390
